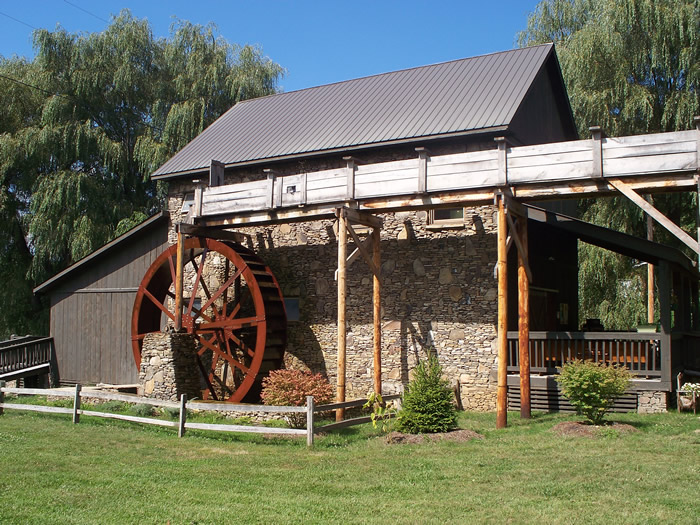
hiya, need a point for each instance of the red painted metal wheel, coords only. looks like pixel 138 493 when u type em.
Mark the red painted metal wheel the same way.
pixel 234 307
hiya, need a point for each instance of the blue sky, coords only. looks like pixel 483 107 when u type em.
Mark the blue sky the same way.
pixel 317 42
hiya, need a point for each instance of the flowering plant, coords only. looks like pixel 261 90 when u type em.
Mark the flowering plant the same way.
pixel 290 388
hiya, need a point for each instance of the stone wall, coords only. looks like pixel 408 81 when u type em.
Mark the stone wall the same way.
pixel 169 367
pixel 438 291
pixel 652 402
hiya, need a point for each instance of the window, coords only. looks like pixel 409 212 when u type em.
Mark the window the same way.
pixel 291 304
pixel 446 218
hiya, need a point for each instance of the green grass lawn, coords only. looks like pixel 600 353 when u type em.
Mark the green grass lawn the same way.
pixel 105 471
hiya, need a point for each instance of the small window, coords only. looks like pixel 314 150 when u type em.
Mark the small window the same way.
pixel 446 217
pixel 291 304
pixel 187 202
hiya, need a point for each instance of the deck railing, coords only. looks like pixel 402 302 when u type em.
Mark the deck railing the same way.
pixel 641 353
pixel 25 353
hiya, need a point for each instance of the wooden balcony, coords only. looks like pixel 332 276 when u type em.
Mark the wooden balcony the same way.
pixel 652 162
pixel 25 357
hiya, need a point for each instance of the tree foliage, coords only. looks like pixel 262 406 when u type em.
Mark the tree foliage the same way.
pixel 87 121
pixel 630 66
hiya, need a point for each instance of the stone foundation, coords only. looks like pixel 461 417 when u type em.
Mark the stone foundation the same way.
pixel 652 402
pixel 169 366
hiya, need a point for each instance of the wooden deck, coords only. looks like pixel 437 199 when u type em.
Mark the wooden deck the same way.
pixel 26 357
pixel 655 162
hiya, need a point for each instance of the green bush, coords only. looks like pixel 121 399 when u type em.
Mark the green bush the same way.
pixel 592 387
pixel 427 403
pixel 142 410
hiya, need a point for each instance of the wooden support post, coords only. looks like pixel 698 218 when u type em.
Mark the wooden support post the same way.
pixel 183 415
pixel 216 173
pixel 198 198
pixel 423 157
pixel 502 395
pixel 523 323
pixel 650 267
pixel 502 161
pixel 377 309
pixel 270 187
pixel 597 150
pixel 76 405
pixel 179 271
pixel 342 329
pixel 2 396
pixel 665 285
pixel 351 163
pixel 310 421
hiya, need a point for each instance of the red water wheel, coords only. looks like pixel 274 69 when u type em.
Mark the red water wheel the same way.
pixel 232 304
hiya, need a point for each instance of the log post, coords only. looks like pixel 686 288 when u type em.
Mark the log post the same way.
pixel 377 305
pixel 502 395
pixel 183 416
pixel 179 278
pixel 2 396
pixel 342 329
pixel 650 268
pixel 523 324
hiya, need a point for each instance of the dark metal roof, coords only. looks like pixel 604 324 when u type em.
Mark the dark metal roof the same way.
pixel 473 94
pixel 158 218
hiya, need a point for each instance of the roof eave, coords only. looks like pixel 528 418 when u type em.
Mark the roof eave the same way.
pixel 503 129
pixel 53 281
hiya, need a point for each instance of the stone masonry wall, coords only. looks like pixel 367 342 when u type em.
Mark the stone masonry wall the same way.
pixel 652 402
pixel 168 366
pixel 438 291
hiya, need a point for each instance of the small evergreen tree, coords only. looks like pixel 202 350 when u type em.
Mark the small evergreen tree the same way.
pixel 427 402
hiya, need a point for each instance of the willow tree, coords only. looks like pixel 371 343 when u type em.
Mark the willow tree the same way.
pixel 90 118
pixel 630 66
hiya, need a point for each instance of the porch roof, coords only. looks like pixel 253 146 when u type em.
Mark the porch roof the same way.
pixel 618 242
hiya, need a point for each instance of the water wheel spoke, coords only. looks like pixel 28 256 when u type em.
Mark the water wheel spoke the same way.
pixel 221 289
pixel 239 304
pixel 231 324
pixel 203 283
pixel 197 280
pixel 207 380
pixel 157 303
pixel 240 344
pixel 171 261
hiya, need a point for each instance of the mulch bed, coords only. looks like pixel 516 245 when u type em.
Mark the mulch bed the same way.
pixel 457 436
pixel 581 429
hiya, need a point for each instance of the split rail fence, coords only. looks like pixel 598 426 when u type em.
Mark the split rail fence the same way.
pixel 310 409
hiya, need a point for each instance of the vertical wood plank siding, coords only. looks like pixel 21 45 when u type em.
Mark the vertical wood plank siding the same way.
pixel 91 311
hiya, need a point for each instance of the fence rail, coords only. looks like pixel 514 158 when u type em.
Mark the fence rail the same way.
pixel 310 409
pixel 641 353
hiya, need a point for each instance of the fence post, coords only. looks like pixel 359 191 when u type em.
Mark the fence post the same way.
pixel 183 415
pixel 2 396
pixel 310 421
pixel 76 404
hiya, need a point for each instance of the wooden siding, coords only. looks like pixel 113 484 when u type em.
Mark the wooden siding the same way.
pixel 91 311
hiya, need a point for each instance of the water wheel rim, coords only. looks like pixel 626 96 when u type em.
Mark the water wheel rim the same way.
pixel 153 291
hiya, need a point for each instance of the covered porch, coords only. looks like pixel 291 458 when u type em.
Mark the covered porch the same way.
pixel 653 353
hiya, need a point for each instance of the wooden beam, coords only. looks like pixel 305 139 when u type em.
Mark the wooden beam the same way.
pixel 350 165
pixel 502 161
pixel 502 341
pixel 423 157
pixel 342 330
pixel 270 187
pixel 363 250
pixel 212 233
pixel 179 276
pixel 216 173
pixel 359 217
pixel 597 150
pixel 522 249
pixel 513 207
pixel 377 311
pixel 524 280
pixel 656 214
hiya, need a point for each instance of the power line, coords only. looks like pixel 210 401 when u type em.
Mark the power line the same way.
pixel 17 20
pixel 86 11
pixel 69 96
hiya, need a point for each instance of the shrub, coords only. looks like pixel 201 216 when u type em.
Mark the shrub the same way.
pixel 592 387
pixel 427 402
pixel 142 410
pixel 290 388
pixel 689 388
